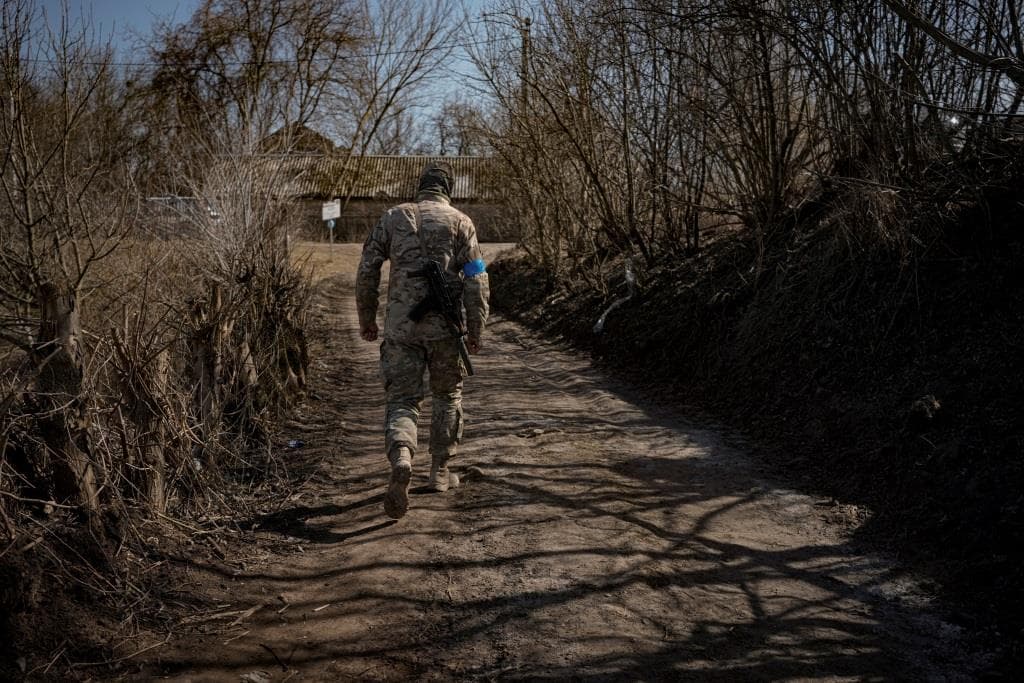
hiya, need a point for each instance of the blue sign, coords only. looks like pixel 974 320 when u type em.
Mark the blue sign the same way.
pixel 330 224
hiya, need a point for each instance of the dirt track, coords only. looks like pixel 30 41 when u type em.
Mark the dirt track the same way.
pixel 596 537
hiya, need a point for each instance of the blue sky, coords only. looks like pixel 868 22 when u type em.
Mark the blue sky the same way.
pixel 128 24
pixel 123 21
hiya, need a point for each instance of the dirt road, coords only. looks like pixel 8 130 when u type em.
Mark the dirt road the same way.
pixel 595 537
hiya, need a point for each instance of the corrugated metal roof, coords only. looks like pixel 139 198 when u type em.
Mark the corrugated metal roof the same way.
pixel 371 177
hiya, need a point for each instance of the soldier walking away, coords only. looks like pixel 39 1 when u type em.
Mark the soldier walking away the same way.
pixel 418 337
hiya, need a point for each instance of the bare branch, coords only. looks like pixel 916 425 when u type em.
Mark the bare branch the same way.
pixel 1008 64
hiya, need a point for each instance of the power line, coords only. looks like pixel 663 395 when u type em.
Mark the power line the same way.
pixel 270 62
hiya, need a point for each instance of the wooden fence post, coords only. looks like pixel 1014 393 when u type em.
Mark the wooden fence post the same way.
pixel 143 390
pixel 212 328
pixel 153 428
pixel 62 416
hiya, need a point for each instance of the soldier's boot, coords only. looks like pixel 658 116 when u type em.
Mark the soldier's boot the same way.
pixel 441 479
pixel 396 499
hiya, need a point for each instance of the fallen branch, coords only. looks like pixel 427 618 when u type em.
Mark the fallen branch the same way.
pixel 236 637
pixel 78 665
pixel 181 524
pixel 51 503
pixel 246 614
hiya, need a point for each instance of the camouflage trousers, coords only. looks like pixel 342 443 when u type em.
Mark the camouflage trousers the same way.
pixel 403 365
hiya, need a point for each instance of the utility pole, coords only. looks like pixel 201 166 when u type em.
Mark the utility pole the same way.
pixel 524 66
pixel 523 25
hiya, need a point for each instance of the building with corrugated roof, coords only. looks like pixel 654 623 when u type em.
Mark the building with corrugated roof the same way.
pixel 297 138
pixel 317 176
pixel 368 185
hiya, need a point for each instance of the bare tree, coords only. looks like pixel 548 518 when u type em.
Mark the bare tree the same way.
pixel 1007 32
pixel 457 128
pixel 237 71
pixel 67 204
pixel 91 309
pixel 404 47
pixel 631 125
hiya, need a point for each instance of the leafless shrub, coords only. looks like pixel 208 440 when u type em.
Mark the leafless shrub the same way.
pixel 142 368
pixel 625 126
pixel 68 203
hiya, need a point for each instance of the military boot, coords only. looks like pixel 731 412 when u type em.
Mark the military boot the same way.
pixel 440 478
pixel 396 500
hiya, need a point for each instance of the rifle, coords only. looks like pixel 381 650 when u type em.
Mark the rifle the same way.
pixel 439 299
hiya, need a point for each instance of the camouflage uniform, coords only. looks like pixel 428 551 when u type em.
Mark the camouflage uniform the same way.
pixel 409 347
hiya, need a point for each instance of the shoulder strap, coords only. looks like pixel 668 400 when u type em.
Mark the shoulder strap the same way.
pixel 419 230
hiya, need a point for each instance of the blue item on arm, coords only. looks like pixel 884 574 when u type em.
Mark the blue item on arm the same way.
pixel 474 268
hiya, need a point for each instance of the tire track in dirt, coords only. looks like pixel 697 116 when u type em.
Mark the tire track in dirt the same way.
pixel 596 537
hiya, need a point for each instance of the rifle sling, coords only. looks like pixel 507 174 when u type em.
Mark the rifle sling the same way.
pixel 419 231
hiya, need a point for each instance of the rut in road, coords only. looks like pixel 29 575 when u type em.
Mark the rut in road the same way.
pixel 594 538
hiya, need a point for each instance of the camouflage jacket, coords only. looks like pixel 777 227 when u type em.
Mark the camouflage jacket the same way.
pixel 450 239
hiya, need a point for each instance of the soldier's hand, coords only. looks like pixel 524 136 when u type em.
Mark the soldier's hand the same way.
pixel 369 332
pixel 473 345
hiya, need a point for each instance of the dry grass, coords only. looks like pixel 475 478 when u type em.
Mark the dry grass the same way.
pixel 326 260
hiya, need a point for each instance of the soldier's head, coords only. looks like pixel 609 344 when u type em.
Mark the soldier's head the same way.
pixel 437 179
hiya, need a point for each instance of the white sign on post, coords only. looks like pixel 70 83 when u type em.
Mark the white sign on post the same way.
pixel 330 210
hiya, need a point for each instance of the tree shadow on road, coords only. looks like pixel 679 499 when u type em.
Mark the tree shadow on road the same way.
pixel 589 581
pixel 593 540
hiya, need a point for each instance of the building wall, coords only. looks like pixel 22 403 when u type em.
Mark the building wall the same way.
pixel 359 217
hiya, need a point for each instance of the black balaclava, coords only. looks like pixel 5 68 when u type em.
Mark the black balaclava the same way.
pixel 436 179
